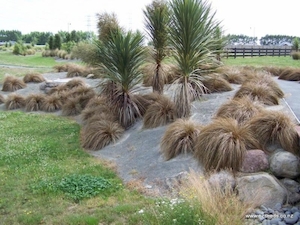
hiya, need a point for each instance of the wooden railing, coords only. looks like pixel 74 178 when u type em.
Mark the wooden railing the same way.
pixel 250 51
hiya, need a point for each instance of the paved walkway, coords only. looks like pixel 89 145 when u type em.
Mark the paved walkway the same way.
pixel 292 95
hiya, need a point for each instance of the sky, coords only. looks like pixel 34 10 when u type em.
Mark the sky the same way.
pixel 249 17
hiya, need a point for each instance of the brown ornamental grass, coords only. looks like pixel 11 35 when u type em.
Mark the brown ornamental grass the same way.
pixel 15 101
pixel 216 83
pixel 179 138
pixel 72 107
pixel 75 82
pixel 291 74
pixel 52 103
pixel 34 102
pixel 34 78
pixel 275 127
pixel 12 83
pixel 258 92
pixel 240 109
pixel 159 113
pixel 222 144
pixel 96 135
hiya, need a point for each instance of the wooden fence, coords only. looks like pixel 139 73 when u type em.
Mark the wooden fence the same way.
pixel 250 51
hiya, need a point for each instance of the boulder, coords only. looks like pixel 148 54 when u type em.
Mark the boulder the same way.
pixel 293 189
pixel 285 164
pixel 222 180
pixel 261 189
pixel 255 161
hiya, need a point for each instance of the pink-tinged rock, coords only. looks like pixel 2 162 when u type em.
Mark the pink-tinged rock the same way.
pixel 255 161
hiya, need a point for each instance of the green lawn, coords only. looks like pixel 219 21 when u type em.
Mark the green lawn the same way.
pixel 262 61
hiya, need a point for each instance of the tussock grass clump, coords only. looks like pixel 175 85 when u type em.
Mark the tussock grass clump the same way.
pixel 262 93
pixel 14 101
pixel 221 203
pixel 291 74
pixel 240 109
pixel 58 90
pixel 159 113
pixel 99 134
pixel 222 144
pixel 12 83
pixel 179 138
pixel 76 70
pixel 96 101
pixel 72 107
pixel 270 127
pixel 34 102
pixel 61 67
pixel 51 103
pixel 33 77
pixel 273 70
pixel 265 79
pixel 76 82
pixel 231 75
pixel 2 99
pixel 216 84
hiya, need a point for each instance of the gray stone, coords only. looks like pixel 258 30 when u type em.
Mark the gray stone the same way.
pixel 292 219
pixel 261 188
pixel 254 161
pixel 285 164
pixel 293 189
pixel 90 76
pixel 275 221
pixel 281 223
pixel 266 222
pixel 222 180
pixel 278 206
pixel 294 209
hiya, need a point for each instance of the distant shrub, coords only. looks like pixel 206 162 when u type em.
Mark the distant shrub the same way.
pixel 87 52
pixel 19 49
pixel 296 55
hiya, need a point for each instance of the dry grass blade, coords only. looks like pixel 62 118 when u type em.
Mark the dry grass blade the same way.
pixel 12 83
pixel 33 77
pixel 96 101
pixel 14 101
pixel 72 107
pixel 102 109
pixel 275 127
pixel 34 102
pixel 275 71
pixel 262 93
pixel 291 74
pixel 159 113
pixel 265 79
pixel 179 138
pixel 61 68
pixel 240 109
pixel 99 134
pixel 222 144
pixel 51 103
pixel 231 75
pixel 223 205
pixel 76 82
pixel 217 84
pixel 76 71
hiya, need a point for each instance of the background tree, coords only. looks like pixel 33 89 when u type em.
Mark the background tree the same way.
pixel 157 20
pixel 192 28
pixel 51 43
pixel 57 41
pixel 233 39
pixel 107 23
pixel 296 44
pixel 276 40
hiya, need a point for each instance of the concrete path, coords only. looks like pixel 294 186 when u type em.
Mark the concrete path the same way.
pixel 292 95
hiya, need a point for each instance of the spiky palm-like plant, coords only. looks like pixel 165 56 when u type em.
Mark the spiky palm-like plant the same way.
pixel 192 29
pixel 120 58
pixel 157 20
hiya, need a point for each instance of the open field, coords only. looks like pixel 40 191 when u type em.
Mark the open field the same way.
pixel 262 61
